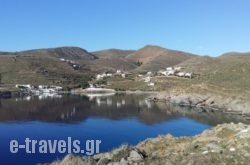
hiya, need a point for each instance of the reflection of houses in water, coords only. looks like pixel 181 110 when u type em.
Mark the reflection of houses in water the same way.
pixel 109 101
pixel 68 114
pixel 100 101
pixel 118 104
pixel 148 103
pixel 49 95
pixel 101 98
pixel 123 102
pixel 141 103
pixel 27 98
pixel 40 96
pixel 92 96
pixel 145 102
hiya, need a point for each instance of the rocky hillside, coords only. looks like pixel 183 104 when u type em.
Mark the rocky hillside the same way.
pixel 228 71
pixel 148 58
pixel 43 66
pixel 224 144
pixel 113 53
pixel 109 65
pixel 73 53
pixel 154 58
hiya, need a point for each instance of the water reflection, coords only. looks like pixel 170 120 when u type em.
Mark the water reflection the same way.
pixel 106 99
pixel 76 108
pixel 114 119
pixel 39 96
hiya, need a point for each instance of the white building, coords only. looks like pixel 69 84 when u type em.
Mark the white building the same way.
pixel 147 79
pixel 151 84
pixel 118 72
pixel 169 68
pixel 149 73
pixel 123 75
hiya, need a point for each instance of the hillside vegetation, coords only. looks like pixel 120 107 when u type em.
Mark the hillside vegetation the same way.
pixel 113 53
pixel 43 66
pixel 225 71
pixel 154 58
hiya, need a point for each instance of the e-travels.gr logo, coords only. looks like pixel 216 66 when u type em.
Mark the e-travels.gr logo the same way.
pixel 53 146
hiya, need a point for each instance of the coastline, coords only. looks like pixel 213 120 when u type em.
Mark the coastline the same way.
pixel 209 102
pixel 223 144
pixel 232 104
pixel 167 148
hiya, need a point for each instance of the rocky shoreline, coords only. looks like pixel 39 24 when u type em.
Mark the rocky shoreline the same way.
pixel 223 144
pixel 207 102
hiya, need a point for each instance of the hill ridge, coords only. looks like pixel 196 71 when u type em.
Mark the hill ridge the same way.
pixel 69 52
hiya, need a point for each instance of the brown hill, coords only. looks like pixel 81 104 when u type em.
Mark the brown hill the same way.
pixel 112 53
pixel 229 70
pixel 62 52
pixel 103 65
pixel 232 54
pixel 199 64
pixel 43 66
pixel 154 58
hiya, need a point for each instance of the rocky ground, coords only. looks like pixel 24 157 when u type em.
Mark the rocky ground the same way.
pixel 208 101
pixel 224 144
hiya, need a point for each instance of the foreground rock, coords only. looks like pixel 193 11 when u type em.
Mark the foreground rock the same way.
pixel 224 144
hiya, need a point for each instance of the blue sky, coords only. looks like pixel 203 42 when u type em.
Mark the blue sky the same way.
pixel 205 27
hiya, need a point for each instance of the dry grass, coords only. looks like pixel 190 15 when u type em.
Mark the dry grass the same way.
pixel 34 69
pixel 226 75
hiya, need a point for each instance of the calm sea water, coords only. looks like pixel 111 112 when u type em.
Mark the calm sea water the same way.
pixel 115 120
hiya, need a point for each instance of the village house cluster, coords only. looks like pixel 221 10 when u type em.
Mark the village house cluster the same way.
pixel 176 71
pixel 147 78
pixel 104 75
pixel 169 71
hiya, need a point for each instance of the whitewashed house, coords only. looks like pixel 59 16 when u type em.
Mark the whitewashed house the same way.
pixel 163 72
pixel 189 75
pixel 181 74
pixel 149 73
pixel 147 79
pixel 177 69
pixel 169 68
pixel 151 84
pixel 140 75
pixel 109 74
pixel 118 72
pixel 170 73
